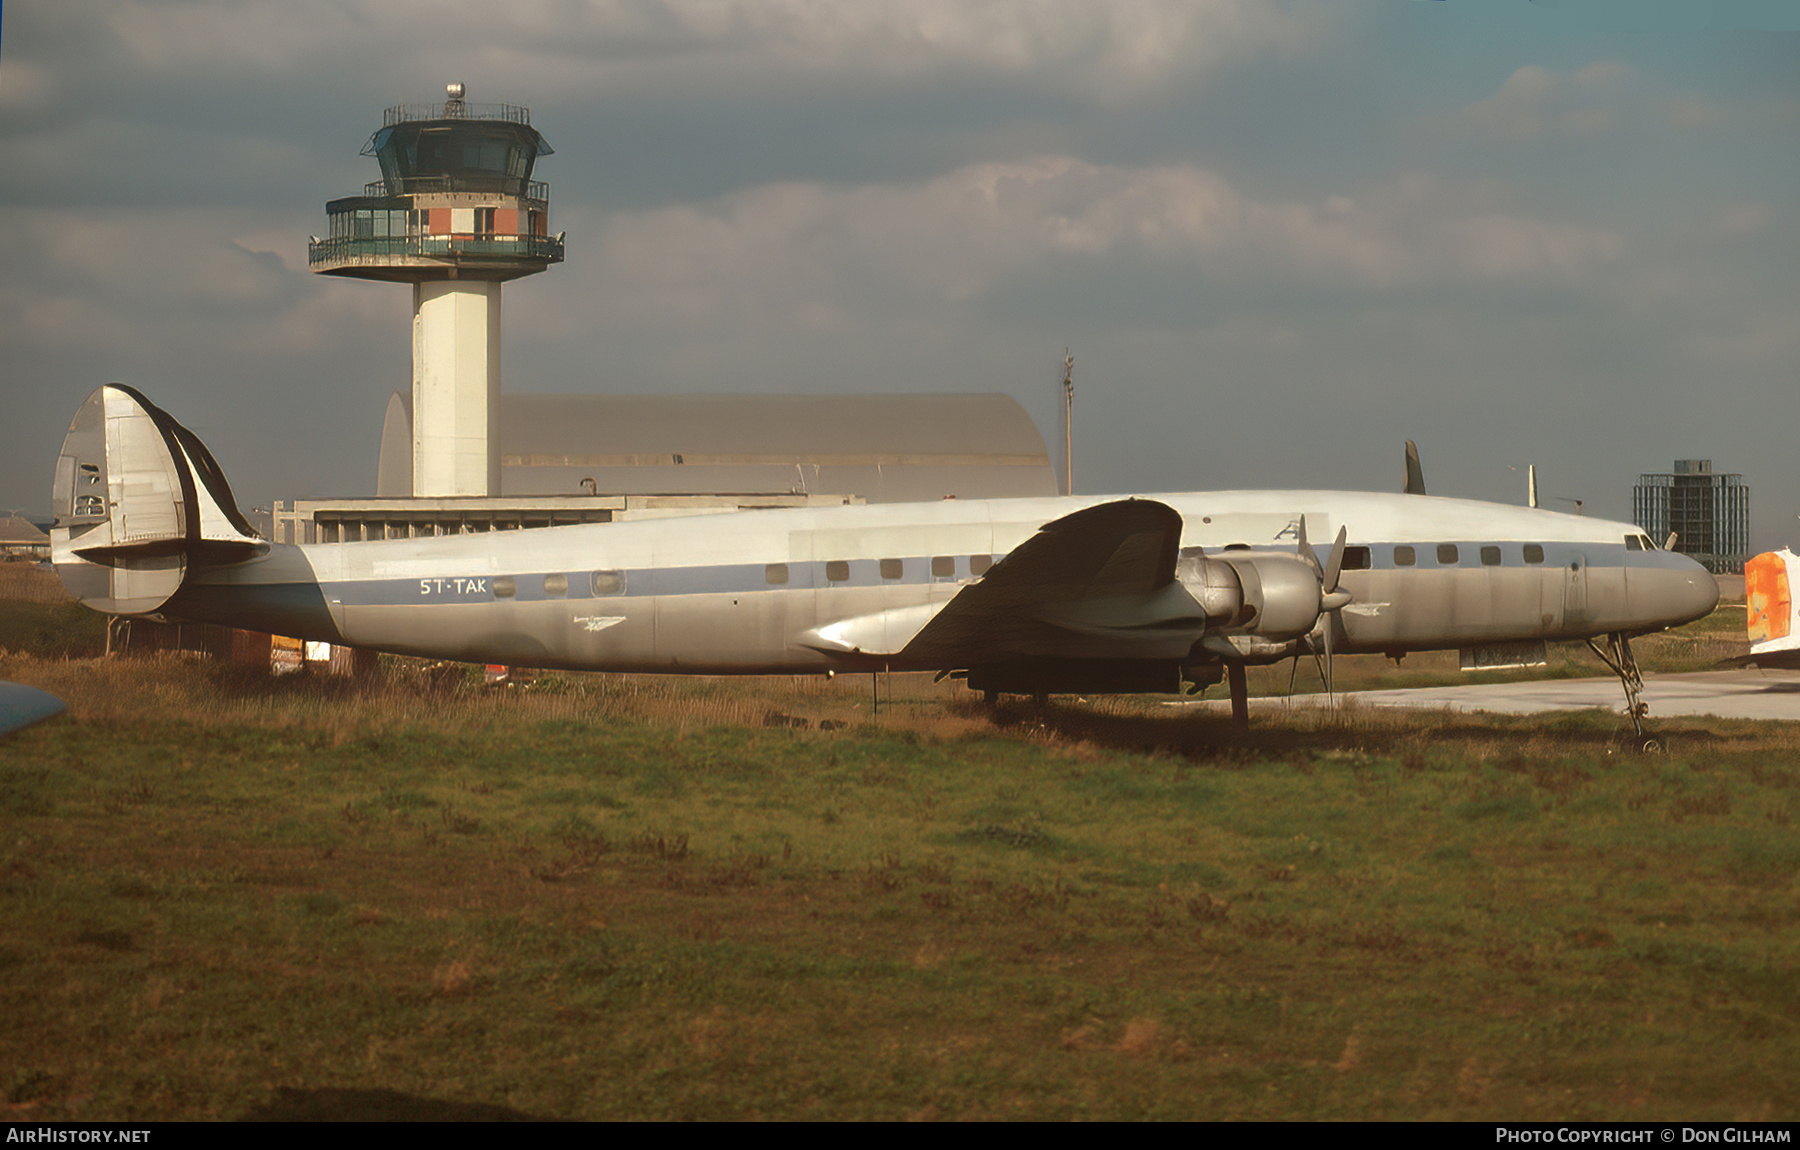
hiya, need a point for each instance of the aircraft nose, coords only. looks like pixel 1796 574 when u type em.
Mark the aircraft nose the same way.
pixel 1679 594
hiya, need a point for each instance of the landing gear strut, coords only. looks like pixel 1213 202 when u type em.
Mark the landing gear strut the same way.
pixel 1618 657
pixel 1240 695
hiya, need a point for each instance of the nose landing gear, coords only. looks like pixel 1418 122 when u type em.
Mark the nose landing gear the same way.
pixel 1619 659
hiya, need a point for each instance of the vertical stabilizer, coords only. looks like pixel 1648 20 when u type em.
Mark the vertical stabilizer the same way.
pixel 138 499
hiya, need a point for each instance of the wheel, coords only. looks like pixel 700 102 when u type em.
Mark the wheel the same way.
pixel 1650 745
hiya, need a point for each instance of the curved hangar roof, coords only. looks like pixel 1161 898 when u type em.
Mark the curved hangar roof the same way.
pixel 885 448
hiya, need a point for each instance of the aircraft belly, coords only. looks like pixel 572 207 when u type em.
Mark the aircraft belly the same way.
pixel 297 610
pixel 736 633
pixel 569 634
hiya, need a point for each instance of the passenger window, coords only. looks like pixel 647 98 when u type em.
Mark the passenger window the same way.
pixel 1356 559
pixel 837 571
pixel 1447 556
pixel 557 584
pixel 1404 556
pixel 1534 553
pixel 609 582
pixel 1490 556
pixel 775 574
pixel 1634 543
pixel 504 587
pixel 892 569
pixel 943 566
pixel 979 564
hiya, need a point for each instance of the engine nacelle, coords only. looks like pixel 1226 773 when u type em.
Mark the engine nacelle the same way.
pixel 1271 595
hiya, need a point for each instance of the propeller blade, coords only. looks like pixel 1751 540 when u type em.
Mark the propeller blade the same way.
pixel 1328 578
pixel 1306 549
pixel 1328 630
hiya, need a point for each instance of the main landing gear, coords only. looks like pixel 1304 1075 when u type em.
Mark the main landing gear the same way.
pixel 1618 657
pixel 1240 696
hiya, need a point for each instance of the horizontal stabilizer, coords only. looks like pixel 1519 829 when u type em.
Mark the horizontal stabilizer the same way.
pixel 138 500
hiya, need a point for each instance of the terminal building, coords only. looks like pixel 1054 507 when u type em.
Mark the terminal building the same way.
pixel 1708 512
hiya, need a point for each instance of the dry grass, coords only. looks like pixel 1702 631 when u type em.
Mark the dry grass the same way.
pixel 24 582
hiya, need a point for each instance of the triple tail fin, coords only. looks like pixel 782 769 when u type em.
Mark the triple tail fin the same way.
pixel 138 500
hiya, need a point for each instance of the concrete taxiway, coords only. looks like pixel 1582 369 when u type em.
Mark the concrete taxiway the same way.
pixel 1741 694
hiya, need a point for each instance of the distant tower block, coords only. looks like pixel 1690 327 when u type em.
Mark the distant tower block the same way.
pixel 455 214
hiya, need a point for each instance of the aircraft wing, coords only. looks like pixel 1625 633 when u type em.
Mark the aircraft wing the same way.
pixel 1096 584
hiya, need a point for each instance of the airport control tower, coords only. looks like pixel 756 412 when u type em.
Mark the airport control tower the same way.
pixel 455 214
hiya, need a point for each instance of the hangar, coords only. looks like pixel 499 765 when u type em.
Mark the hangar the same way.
pixel 600 458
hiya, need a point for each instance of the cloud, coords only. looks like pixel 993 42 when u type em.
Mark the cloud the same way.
pixel 1105 49
pixel 817 250
pixel 149 279
pixel 1535 101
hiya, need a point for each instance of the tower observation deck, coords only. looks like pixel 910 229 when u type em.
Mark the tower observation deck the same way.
pixel 455 214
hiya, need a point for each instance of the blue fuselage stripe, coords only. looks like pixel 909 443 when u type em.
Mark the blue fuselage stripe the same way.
pixel 747 578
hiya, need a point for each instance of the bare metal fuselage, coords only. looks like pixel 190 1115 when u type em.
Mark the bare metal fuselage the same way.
pixel 761 591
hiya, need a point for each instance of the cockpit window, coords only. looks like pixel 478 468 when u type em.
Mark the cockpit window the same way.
pixel 1634 543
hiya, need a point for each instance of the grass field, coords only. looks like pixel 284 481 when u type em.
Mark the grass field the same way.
pixel 602 897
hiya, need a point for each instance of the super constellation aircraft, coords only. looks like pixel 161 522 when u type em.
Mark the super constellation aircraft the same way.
pixel 1023 596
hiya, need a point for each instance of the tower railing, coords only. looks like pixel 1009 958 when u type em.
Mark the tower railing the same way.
pixel 354 249
pixel 455 110
pixel 427 185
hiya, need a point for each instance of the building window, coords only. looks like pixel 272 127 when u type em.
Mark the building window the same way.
pixel 892 569
pixel 837 571
pixel 1447 556
pixel 1405 556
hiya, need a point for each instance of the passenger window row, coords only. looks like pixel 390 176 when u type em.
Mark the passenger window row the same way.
pixel 838 570
pixel 606 583
pixel 1449 555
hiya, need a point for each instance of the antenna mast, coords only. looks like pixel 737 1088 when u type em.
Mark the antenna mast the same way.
pixel 1068 423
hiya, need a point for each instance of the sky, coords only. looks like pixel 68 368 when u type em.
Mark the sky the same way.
pixel 1279 238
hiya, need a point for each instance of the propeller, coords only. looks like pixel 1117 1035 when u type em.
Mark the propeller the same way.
pixel 1331 598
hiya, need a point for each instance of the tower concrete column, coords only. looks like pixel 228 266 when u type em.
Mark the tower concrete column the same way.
pixel 456 388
